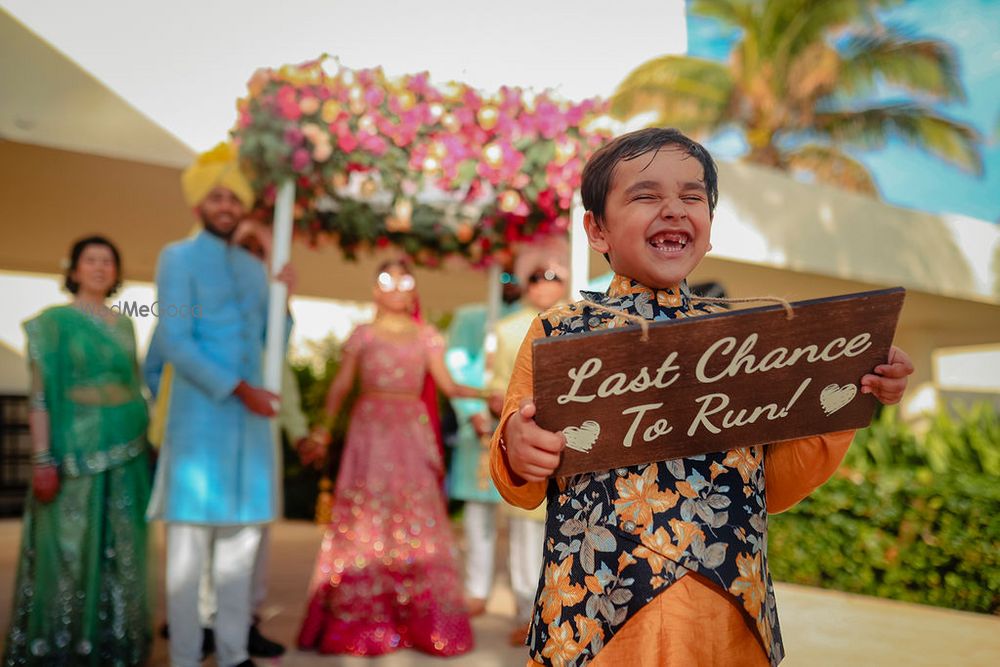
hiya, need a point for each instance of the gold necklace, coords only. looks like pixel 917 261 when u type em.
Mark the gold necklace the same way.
pixel 395 324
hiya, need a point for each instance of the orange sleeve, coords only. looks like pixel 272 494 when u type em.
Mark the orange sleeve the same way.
pixel 796 468
pixel 514 490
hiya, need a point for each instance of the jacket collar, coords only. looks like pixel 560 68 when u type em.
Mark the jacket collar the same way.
pixel 633 297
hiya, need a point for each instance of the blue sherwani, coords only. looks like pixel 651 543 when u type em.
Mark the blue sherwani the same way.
pixel 218 458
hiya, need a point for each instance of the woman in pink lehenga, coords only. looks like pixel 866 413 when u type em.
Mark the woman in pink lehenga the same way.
pixel 387 575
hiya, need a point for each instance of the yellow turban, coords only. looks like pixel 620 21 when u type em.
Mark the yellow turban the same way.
pixel 218 167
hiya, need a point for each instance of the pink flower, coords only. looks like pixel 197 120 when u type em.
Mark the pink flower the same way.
pixel 402 137
pixel 287 103
pixel 471 99
pixel 373 143
pixel 347 142
pixel 301 159
pixel 511 100
pixel 549 119
pixel 419 83
pixel 374 97
pixel 466 117
pixel 564 178
pixel 293 136
pixel 500 162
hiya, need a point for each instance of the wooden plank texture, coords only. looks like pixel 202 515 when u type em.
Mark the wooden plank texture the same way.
pixel 713 383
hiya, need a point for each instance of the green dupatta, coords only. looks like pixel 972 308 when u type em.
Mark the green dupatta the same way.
pixel 87 370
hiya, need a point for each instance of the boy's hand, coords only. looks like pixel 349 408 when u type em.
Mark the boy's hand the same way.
pixel 532 452
pixel 888 381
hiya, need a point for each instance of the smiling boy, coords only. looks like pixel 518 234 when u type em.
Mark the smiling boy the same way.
pixel 662 563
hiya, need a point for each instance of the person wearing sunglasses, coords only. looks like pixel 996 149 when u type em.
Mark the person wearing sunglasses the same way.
pixel 468 469
pixel 542 268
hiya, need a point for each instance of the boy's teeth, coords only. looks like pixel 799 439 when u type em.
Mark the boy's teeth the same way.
pixel 669 241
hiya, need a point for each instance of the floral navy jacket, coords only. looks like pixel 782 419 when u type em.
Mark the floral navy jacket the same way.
pixel 616 539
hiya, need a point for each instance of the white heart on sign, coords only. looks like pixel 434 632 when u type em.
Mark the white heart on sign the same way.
pixel 833 398
pixel 582 437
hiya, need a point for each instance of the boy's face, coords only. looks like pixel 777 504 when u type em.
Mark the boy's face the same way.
pixel 656 224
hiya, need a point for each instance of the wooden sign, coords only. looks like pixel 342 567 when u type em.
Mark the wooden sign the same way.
pixel 714 382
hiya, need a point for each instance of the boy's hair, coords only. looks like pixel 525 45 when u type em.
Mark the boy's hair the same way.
pixel 600 168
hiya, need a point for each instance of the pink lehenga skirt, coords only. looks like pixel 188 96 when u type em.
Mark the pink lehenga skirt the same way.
pixel 387 575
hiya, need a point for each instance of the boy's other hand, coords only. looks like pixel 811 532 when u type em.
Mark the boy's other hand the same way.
pixel 888 381
pixel 532 452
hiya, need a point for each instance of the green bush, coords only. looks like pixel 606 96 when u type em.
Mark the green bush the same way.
pixel 909 518
pixel 968 441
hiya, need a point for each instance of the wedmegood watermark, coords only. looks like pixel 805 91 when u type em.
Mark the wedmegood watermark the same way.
pixel 156 309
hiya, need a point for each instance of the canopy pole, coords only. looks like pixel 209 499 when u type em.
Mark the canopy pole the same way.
pixel 275 342
pixel 274 348
pixel 493 295
pixel 579 258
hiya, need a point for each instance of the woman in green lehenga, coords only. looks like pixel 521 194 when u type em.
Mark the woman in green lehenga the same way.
pixel 80 595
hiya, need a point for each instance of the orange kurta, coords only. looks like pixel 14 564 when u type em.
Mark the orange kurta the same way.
pixel 672 629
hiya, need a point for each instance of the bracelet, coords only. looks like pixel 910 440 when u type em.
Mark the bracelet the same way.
pixel 37 401
pixel 43 458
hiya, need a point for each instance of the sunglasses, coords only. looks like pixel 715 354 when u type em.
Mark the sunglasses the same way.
pixel 547 275
pixel 405 283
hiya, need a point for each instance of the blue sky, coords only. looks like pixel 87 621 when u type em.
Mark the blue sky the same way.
pixel 907 177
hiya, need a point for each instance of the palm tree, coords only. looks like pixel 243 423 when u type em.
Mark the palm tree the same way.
pixel 802 83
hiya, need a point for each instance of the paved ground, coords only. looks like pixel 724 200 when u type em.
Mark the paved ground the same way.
pixel 821 628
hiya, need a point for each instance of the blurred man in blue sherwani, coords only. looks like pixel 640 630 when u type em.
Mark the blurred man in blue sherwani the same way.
pixel 215 482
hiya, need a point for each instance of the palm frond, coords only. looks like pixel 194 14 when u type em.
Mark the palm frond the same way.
pixel 832 166
pixel 786 27
pixel 811 75
pixel 689 93
pixel 737 13
pixel 919 65
pixel 919 126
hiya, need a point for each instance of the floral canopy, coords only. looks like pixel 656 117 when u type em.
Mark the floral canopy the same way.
pixel 436 171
